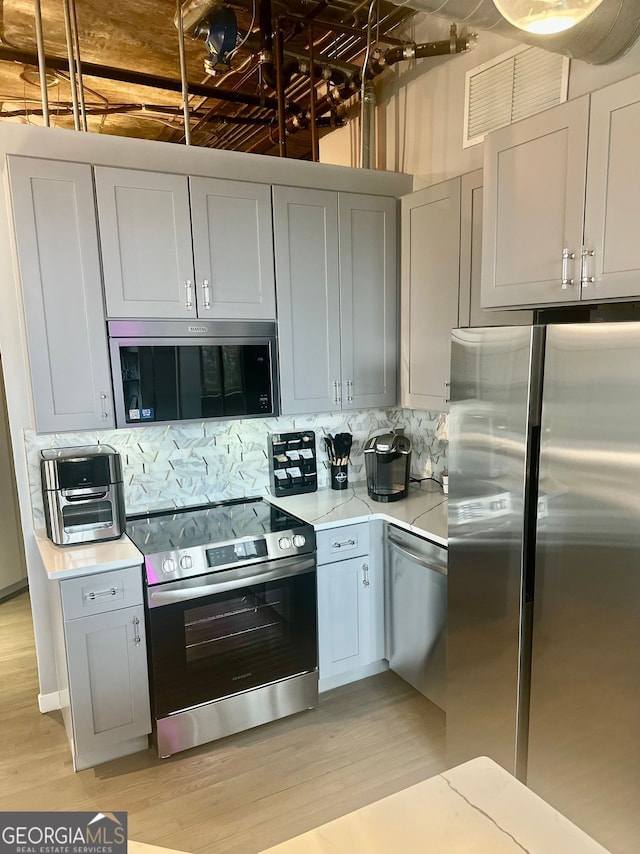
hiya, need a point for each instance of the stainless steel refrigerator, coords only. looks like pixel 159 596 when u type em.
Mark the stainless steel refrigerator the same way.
pixel 543 642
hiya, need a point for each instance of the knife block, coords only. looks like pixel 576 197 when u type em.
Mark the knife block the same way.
pixel 292 463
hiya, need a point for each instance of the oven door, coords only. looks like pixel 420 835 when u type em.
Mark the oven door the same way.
pixel 227 632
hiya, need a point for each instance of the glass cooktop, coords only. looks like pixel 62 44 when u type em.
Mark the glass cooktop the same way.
pixel 188 527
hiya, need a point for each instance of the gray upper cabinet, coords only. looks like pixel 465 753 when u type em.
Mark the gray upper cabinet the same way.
pixel 368 300
pixel 612 216
pixel 429 292
pixel 57 247
pixel 307 277
pixel 337 295
pixel 534 175
pixel 175 247
pixel 565 182
pixel 145 233
pixel 470 312
pixel 233 249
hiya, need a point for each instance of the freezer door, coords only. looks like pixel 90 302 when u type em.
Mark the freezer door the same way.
pixel 584 744
pixel 491 378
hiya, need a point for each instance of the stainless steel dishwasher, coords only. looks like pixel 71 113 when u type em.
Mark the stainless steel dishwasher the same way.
pixel 416 612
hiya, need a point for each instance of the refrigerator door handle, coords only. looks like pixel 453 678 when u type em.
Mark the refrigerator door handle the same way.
pixel 415 557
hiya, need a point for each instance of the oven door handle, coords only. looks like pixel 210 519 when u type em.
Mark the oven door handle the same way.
pixel 219 582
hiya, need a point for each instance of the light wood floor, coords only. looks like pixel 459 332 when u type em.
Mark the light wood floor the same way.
pixel 236 796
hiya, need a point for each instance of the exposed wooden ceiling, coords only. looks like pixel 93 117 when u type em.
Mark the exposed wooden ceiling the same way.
pixel 140 36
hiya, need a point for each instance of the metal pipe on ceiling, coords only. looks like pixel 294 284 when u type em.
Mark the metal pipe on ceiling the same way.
pixel 279 57
pixel 73 18
pixel 315 145
pixel 183 76
pixel 138 78
pixel 72 65
pixel 42 67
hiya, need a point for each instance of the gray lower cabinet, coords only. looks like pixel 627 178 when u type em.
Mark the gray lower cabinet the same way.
pixel 59 262
pixel 336 278
pixel 350 605
pixel 179 247
pixel 102 665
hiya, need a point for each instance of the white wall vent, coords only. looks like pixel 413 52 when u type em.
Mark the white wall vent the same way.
pixel 510 87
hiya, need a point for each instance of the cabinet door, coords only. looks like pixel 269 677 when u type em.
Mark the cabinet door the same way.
pixel 368 300
pixel 347 619
pixel 145 233
pixel 233 249
pixel 534 179
pixel 108 681
pixel 306 249
pixel 430 278
pixel 470 312
pixel 57 246
pixel 612 217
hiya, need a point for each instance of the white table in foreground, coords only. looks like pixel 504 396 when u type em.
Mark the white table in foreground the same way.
pixel 476 808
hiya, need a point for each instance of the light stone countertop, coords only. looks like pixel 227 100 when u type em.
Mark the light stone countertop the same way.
pixel 62 562
pixel 475 808
pixel 423 511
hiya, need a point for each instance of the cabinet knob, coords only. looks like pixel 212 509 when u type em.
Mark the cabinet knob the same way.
pixel 336 391
pixel 349 391
pixel 585 278
pixel 188 288
pixel 136 631
pixel 365 574
pixel 103 399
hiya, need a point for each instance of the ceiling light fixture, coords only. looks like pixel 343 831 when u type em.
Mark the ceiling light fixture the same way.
pixel 545 17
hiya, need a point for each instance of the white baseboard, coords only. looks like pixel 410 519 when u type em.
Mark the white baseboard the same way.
pixel 49 702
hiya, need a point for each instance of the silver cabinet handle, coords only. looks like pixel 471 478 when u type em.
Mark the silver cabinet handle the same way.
pixel 136 631
pixel 343 544
pixel 101 594
pixel 349 391
pixel 206 293
pixel 566 257
pixel 188 294
pixel 447 386
pixel 105 412
pixel 585 278
pixel 365 574
pixel 336 391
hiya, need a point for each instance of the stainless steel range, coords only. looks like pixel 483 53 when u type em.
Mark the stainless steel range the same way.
pixel 231 610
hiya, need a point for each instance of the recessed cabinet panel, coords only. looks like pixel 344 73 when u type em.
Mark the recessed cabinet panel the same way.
pixel 612 218
pixel 57 245
pixel 233 249
pixel 368 300
pixel 430 278
pixel 145 233
pixel 533 208
pixel 306 244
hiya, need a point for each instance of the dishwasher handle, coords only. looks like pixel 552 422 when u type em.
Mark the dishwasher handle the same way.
pixel 416 558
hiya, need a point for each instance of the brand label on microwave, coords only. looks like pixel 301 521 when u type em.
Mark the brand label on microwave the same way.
pixel 198 329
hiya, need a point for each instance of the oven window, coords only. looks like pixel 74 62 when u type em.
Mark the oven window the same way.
pixel 222 644
pixel 87 516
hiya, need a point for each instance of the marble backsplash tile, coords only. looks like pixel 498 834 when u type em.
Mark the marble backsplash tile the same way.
pixel 179 465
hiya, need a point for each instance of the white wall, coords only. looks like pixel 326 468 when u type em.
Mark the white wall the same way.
pixel 420 114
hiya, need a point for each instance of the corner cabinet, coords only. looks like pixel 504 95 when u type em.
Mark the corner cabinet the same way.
pixel 102 665
pixel 441 269
pixel 59 261
pixel 178 247
pixel 335 258
pixel 562 203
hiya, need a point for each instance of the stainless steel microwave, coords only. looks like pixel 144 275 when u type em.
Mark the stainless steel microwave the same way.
pixel 173 370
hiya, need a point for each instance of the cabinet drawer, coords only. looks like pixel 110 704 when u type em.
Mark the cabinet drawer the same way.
pixel 344 542
pixel 104 591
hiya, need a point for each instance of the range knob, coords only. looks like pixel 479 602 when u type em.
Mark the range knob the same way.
pixel 186 562
pixel 168 565
pixel 299 541
pixel 284 543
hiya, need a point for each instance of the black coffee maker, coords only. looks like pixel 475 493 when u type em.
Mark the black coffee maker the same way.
pixel 388 461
